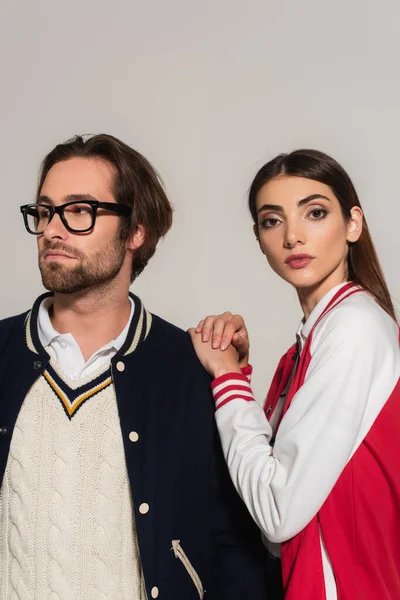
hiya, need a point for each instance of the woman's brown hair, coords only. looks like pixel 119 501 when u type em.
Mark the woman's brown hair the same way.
pixel 363 264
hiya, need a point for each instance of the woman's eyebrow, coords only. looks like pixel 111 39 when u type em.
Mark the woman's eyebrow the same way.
pixel 311 198
pixel 278 208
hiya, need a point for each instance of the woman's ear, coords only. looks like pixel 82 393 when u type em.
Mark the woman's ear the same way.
pixel 255 231
pixel 355 224
pixel 137 238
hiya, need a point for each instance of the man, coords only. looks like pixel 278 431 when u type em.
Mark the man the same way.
pixel 113 482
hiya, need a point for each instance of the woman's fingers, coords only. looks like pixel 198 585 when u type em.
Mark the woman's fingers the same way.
pixel 226 335
pixel 207 328
pixel 199 326
pixel 219 328
pixel 224 330
pixel 217 363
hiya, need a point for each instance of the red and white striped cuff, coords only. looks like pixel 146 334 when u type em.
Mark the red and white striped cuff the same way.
pixel 229 387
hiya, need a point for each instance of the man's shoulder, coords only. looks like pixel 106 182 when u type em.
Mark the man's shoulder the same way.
pixel 8 323
pixel 168 331
pixel 170 338
pixel 175 345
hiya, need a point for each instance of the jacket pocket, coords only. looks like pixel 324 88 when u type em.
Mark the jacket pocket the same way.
pixel 179 553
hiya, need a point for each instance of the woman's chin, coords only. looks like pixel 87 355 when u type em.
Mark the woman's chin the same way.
pixel 302 279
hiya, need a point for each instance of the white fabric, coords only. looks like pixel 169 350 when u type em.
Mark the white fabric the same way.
pixel 354 368
pixel 64 350
pixel 67 528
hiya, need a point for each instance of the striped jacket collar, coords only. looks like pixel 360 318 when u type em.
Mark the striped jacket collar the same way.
pixel 137 333
pixel 305 327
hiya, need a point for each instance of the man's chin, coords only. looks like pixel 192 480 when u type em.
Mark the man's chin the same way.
pixel 62 279
pixel 59 287
pixel 57 280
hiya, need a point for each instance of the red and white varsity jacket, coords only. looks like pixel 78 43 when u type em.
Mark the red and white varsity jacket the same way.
pixel 329 488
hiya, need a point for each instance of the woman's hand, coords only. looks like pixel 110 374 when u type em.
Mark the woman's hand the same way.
pixel 214 360
pixel 223 330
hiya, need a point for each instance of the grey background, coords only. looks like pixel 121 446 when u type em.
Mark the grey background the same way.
pixel 208 92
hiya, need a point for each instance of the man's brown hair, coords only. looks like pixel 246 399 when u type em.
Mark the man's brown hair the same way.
pixel 136 183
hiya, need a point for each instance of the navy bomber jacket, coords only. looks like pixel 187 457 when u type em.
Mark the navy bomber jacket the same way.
pixel 197 535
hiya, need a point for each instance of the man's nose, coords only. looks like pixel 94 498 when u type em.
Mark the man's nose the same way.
pixel 55 229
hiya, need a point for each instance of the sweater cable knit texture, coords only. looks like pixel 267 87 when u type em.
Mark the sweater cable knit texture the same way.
pixel 66 516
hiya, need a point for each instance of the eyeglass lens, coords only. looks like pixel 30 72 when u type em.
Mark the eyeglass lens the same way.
pixel 78 216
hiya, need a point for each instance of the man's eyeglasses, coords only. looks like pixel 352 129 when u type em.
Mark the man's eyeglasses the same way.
pixel 77 217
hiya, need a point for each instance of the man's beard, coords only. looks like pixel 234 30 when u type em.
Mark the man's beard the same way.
pixel 100 268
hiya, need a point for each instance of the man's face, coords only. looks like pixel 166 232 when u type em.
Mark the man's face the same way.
pixel 72 262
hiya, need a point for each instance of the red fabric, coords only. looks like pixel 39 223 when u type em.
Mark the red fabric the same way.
pixel 280 380
pixel 247 370
pixel 231 388
pixel 360 520
pixel 229 377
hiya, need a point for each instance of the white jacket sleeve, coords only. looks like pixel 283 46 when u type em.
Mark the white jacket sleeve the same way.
pixel 355 366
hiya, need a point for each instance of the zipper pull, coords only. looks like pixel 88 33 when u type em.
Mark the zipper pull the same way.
pixel 175 547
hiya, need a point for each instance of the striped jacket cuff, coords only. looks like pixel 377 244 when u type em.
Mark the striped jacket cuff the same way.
pixel 231 386
pixel 248 370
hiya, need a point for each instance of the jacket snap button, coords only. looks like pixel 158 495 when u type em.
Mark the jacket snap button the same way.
pixel 268 409
pixel 154 592
pixel 144 508
pixel 3 430
pixel 133 436
pixel 37 364
pixel 120 366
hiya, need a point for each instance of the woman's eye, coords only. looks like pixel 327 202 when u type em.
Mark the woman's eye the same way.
pixel 318 214
pixel 269 223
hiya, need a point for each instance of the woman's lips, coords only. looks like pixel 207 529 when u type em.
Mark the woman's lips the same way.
pixel 299 261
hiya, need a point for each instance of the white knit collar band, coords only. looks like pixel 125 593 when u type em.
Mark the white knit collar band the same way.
pixel 137 332
pixel 48 334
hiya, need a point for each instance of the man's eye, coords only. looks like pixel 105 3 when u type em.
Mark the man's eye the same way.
pixel 43 213
pixel 81 209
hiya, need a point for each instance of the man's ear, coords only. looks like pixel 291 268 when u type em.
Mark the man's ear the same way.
pixel 137 238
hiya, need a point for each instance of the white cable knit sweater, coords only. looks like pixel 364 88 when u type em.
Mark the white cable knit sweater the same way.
pixel 66 519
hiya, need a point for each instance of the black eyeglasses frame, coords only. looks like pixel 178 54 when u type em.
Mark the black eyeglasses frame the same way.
pixel 121 209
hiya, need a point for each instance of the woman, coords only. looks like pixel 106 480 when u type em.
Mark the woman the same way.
pixel 320 474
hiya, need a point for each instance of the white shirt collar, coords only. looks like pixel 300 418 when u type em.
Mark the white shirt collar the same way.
pixel 303 330
pixel 47 333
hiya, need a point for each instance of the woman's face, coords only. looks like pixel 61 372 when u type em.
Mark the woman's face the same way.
pixel 303 233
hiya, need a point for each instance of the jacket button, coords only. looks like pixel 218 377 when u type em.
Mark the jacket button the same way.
pixel 268 409
pixel 37 364
pixel 144 508
pixel 294 356
pixel 133 436
pixel 120 366
pixel 3 430
pixel 154 592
